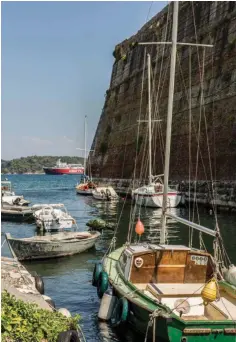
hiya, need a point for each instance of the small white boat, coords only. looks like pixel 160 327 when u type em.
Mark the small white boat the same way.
pixel 52 246
pixel 85 189
pixel 9 197
pixel 151 195
pixel 48 218
pixel 105 194
pixel 86 186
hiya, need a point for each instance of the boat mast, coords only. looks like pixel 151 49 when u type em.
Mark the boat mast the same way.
pixel 149 118
pixel 169 119
pixel 85 146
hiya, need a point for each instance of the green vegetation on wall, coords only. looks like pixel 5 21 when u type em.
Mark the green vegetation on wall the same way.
pixel 24 322
pixel 35 164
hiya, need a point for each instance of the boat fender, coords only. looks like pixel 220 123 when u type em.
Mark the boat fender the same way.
pixel 49 301
pixel 102 284
pixel 69 336
pixel 107 305
pixel 64 312
pixel 39 284
pixel 96 272
pixel 120 313
pixel 138 262
pixel 230 275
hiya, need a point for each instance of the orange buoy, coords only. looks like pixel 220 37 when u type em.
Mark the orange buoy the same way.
pixel 139 228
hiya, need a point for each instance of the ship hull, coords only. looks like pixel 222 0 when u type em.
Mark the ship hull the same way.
pixel 61 171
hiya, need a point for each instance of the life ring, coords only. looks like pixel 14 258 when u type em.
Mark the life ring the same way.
pixel 120 312
pixel 138 262
pixel 39 284
pixel 69 336
pixel 96 272
pixel 102 284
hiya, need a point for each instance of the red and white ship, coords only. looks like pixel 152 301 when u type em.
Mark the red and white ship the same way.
pixel 64 169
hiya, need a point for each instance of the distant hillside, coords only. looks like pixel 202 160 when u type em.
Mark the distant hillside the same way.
pixel 34 164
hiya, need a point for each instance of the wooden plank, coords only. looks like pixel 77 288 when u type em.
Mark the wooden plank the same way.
pixel 170 274
pixel 195 273
pixel 146 273
pixel 173 258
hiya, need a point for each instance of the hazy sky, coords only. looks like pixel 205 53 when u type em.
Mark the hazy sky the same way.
pixel 56 67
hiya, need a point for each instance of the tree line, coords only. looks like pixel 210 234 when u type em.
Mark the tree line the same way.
pixel 35 164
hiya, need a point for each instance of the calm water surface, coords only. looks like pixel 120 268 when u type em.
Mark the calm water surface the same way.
pixel 68 280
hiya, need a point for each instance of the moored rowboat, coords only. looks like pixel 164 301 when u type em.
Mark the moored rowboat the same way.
pixel 52 246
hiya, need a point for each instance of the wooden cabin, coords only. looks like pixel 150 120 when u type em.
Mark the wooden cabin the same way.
pixel 175 274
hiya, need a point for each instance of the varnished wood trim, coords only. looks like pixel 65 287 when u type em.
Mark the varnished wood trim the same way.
pixel 172 266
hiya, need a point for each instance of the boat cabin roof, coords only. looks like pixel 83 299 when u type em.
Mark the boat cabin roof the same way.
pixel 139 249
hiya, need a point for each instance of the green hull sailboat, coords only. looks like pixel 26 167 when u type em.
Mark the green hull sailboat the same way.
pixel 172 292
pixel 170 311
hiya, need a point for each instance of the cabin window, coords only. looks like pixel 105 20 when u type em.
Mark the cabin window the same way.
pixel 123 261
pixel 125 264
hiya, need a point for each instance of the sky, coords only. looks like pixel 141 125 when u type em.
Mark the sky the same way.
pixel 56 67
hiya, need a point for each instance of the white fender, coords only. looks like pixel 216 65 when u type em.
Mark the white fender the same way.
pixel 107 305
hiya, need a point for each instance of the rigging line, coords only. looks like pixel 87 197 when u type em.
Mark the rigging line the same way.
pixel 199 137
pixel 209 158
pixel 199 126
pixel 213 116
pixel 144 166
pixel 187 96
pixel 195 28
pixel 203 103
pixel 140 110
pixel 152 97
pixel 193 124
pixel 214 205
pixel 157 112
pixel 194 128
pixel 156 106
pixel 189 146
pixel 149 10
pixel 123 166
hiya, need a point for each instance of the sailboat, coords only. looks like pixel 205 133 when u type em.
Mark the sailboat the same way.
pixel 151 195
pixel 164 291
pixel 86 186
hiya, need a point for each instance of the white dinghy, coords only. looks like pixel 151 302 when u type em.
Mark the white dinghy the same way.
pixel 52 246
pixel 8 196
pixel 105 194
